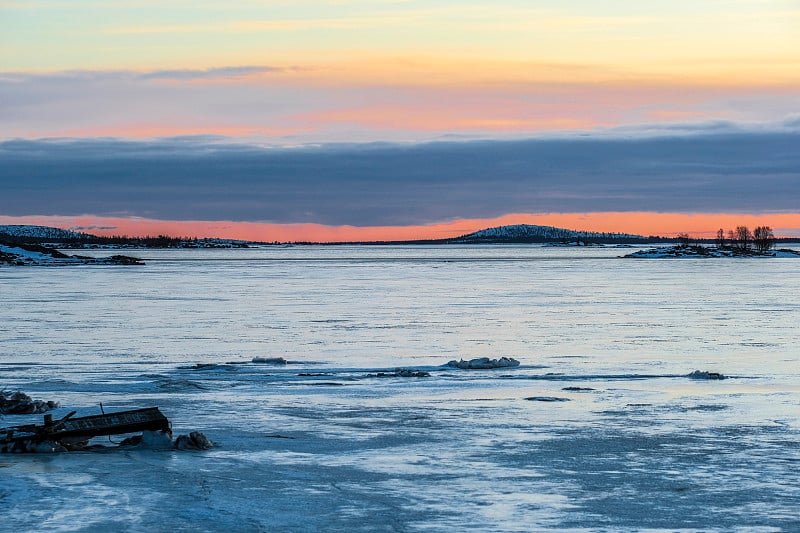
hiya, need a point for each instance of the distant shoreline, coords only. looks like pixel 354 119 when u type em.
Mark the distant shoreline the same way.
pixel 517 234
pixel 702 252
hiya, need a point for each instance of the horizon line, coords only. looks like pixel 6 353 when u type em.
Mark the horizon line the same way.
pixel 645 224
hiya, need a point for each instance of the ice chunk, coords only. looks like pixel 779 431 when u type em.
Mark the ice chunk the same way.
pixel 401 373
pixel 156 440
pixel 484 363
pixel 546 399
pixel 270 360
pixel 697 374
pixel 19 403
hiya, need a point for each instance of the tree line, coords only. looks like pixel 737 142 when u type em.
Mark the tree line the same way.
pixel 761 239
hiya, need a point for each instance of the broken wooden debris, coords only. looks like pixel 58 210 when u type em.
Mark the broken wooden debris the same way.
pixel 72 433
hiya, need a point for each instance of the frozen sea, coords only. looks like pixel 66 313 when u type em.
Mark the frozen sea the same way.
pixel 320 444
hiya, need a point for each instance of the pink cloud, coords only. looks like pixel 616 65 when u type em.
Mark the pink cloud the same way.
pixel 323 106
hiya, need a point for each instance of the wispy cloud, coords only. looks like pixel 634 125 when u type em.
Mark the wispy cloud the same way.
pixel 94 227
pixel 279 100
pixel 205 74
pixel 89 75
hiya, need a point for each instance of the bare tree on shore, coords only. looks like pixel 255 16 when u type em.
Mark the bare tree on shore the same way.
pixel 743 238
pixel 721 238
pixel 763 239
pixel 760 240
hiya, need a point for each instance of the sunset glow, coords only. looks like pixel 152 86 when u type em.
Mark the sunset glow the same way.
pixel 646 224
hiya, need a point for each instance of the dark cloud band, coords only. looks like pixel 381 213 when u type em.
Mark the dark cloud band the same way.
pixel 391 184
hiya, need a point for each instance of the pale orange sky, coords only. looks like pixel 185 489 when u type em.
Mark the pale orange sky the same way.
pixel 308 72
pixel 662 224
pixel 366 70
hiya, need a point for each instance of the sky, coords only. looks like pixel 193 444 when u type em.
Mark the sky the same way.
pixel 346 119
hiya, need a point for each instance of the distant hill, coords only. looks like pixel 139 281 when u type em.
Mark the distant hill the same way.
pixel 41 233
pixel 521 233
pixel 19 234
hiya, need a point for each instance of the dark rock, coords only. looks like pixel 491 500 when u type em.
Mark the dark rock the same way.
pixel 401 373
pixel 122 260
pixel 547 399
pixel 193 441
pixel 227 367
pixel 697 374
pixel 270 360
pixel 131 441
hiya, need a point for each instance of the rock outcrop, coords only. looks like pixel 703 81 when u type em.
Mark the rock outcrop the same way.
pixel 17 254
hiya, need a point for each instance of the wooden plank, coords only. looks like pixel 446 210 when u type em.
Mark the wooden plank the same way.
pixel 86 427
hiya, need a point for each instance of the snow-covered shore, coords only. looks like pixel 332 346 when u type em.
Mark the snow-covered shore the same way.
pixel 680 251
pixel 34 255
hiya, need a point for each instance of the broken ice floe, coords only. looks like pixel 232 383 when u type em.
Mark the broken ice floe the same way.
pixel 19 403
pixel 546 399
pixel 279 361
pixel 697 374
pixel 161 440
pixel 180 385
pixel 211 366
pixel 401 373
pixel 483 363
pixel 270 360
pixel 75 434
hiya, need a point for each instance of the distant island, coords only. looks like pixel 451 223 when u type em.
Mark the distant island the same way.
pixel 740 242
pixel 526 233
pixel 681 251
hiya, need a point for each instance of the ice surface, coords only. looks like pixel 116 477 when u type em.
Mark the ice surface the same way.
pixel 323 445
